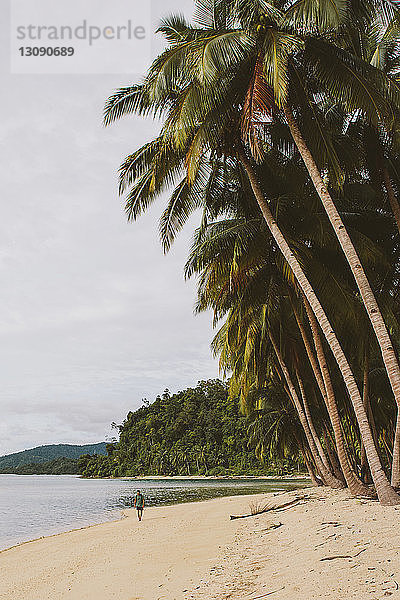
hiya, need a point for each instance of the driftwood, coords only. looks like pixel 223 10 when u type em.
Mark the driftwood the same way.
pixel 335 557
pixel 268 508
pixel 342 556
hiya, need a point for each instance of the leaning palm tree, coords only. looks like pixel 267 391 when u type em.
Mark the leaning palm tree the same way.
pixel 233 267
pixel 378 46
pixel 217 251
pixel 281 57
pixel 379 478
pixel 201 119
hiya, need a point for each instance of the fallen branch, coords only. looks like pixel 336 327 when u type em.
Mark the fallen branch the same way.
pixel 335 557
pixel 342 556
pixel 268 508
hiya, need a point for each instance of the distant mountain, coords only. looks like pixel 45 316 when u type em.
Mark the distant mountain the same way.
pixel 43 454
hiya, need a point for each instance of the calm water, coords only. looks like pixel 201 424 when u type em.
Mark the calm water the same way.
pixel 35 505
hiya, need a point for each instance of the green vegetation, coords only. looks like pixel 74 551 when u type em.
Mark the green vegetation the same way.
pixel 57 466
pixel 279 125
pixel 195 432
pixel 47 454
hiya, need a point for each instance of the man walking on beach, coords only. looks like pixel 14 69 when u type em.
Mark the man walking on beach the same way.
pixel 138 503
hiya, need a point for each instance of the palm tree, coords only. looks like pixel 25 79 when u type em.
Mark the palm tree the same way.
pixel 379 47
pixel 278 81
pixel 329 396
pixel 323 468
pixel 153 180
pixel 219 287
pixel 279 74
pixel 385 492
pixel 194 122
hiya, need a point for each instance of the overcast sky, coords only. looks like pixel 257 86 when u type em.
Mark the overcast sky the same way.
pixel 93 316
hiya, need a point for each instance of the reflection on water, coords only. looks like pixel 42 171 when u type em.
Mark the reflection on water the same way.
pixel 35 505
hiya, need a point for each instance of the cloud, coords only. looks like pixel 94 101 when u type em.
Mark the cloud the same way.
pixel 93 317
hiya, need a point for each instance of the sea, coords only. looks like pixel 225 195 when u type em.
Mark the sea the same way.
pixel 33 506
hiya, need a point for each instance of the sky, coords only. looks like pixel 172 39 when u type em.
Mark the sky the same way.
pixel 93 316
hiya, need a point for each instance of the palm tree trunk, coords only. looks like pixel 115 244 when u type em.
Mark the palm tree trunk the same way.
pixel 309 465
pixel 302 443
pixel 395 206
pixel 367 295
pixel 339 472
pixel 327 475
pixel 310 422
pixel 385 492
pixel 314 480
pixel 332 412
pixel 355 485
pixel 365 474
pixel 331 451
pixel 310 354
pixel 396 454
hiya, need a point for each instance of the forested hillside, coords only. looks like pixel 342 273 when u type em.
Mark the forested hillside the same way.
pixel 43 454
pixel 197 431
pixel 57 466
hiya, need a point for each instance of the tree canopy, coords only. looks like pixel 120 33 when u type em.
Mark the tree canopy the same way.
pixel 198 431
pixel 279 127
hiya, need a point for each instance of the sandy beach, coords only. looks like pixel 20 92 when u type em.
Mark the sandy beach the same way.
pixel 328 545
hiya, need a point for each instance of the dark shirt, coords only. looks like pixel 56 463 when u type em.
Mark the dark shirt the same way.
pixel 139 501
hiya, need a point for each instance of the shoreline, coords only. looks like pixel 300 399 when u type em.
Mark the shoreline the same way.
pixel 52 535
pixel 216 477
pixel 302 477
pixel 169 535
pixel 166 477
pixel 122 510
pixel 193 551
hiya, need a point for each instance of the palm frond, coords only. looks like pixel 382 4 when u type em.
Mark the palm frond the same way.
pixel 277 48
pixel 314 16
pixel 126 101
